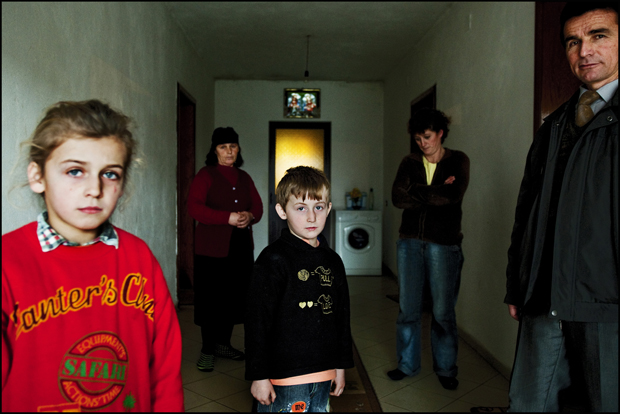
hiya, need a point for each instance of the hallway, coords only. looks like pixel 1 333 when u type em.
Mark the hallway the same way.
pixel 373 318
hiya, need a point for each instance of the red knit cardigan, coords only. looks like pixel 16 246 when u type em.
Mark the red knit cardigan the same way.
pixel 216 192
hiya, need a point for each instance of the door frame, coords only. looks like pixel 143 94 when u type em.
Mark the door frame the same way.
pixel 275 222
pixel 427 99
pixel 554 82
pixel 186 169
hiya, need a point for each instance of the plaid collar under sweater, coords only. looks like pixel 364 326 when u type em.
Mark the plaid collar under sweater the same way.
pixel 50 239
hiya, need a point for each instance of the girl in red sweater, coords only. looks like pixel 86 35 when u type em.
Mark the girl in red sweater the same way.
pixel 87 319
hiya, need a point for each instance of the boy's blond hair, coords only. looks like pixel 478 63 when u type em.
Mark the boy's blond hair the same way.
pixel 299 181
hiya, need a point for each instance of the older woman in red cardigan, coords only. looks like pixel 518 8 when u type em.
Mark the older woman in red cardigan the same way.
pixel 224 201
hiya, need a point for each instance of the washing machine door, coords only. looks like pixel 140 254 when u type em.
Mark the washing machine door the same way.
pixel 359 238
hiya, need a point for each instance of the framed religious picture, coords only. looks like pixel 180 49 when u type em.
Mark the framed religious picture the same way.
pixel 302 103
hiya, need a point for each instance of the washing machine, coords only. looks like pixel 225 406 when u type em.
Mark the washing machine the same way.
pixel 358 241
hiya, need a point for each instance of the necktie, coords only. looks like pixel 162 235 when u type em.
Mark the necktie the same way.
pixel 584 112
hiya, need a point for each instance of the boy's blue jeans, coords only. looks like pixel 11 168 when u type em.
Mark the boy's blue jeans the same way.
pixel 441 266
pixel 313 398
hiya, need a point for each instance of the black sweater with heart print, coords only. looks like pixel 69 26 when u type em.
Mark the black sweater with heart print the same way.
pixel 298 317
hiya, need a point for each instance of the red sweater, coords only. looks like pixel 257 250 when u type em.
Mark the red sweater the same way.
pixel 216 192
pixel 87 328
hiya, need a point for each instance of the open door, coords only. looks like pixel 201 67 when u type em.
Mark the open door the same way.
pixel 554 82
pixel 292 144
pixel 428 99
pixel 186 164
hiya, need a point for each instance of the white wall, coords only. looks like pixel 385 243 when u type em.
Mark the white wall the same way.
pixel 485 81
pixel 355 111
pixel 130 55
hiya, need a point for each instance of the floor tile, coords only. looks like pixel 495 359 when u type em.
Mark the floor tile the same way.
pixel 498 382
pixel 192 399
pixel 371 362
pixel 381 372
pixel 191 350
pixel 238 373
pixel 241 401
pixel 486 396
pixel 367 321
pixel 458 406
pixel 414 399
pixel 190 373
pixel 217 387
pixel 225 365
pixel 385 351
pixel 212 407
pixel 376 334
pixel 361 343
pixel 389 408
pixel 385 386
pixel 432 384
pixel 473 358
pixel 475 372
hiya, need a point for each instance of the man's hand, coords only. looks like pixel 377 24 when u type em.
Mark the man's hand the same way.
pixel 514 312
pixel 450 180
pixel 263 391
pixel 338 383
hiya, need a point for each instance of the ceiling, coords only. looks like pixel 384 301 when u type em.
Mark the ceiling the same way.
pixel 349 41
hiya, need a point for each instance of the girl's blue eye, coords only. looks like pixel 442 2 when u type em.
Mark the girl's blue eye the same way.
pixel 111 175
pixel 75 172
pixel 319 207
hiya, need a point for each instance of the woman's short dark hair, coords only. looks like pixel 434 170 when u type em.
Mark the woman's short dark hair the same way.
pixel 428 118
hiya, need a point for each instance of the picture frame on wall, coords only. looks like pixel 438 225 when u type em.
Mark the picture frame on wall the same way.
pixel 302 103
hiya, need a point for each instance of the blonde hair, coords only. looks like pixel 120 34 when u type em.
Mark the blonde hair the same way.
pixel 302 180
pixel 85 119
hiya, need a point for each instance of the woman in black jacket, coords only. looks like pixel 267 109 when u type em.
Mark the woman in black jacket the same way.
pixel 429 186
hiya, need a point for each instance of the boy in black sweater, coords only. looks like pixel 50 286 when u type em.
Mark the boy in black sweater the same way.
pixel 297 331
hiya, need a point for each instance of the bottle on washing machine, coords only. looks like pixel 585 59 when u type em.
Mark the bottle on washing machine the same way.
pixel 371 200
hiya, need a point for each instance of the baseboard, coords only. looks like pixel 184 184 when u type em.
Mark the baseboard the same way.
pixel 485 354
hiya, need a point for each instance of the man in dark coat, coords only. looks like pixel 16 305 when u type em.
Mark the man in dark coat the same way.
pixel 562 275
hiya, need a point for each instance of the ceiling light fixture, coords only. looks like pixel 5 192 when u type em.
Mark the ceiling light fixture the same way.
pixel 306 73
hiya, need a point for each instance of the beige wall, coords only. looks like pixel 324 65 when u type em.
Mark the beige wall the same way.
pixel 129 54
pixel 485 81
pixel 355 110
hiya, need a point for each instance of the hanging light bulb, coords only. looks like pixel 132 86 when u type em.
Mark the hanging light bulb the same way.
pixel 306 73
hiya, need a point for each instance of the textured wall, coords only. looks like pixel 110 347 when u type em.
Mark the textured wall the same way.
pixel 129 54
pixel 481 56
pixel 355 111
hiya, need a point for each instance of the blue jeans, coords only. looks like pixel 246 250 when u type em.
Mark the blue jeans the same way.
pixel 307 398
pixel 440 266
pixel 550 356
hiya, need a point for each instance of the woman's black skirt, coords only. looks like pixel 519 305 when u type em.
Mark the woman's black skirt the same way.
pixel 220 283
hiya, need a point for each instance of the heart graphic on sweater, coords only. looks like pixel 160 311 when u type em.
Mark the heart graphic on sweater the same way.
pixel 302 304
pixel 310 303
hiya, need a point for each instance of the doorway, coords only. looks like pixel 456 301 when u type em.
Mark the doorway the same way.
pixel 428 99
pixel 186 164
pixel 554 82
pixel 292 144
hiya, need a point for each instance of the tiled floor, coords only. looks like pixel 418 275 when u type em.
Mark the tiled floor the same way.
pixel 373 318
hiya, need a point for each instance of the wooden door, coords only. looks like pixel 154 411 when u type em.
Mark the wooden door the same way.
pixel 554 83
pixel 428 99
pixel 186 165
